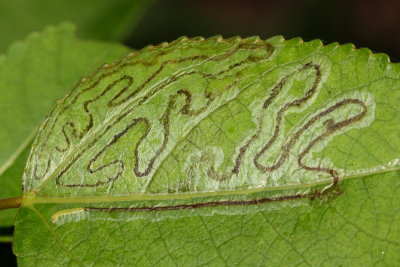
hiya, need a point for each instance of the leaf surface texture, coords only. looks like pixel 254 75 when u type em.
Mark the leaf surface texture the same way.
pixel 220 152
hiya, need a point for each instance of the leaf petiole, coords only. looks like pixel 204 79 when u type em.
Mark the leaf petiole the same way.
pixel 10 203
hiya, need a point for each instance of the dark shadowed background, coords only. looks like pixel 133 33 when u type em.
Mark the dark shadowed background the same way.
pixel 372 24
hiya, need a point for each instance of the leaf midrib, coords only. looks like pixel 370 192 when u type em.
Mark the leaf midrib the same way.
pixel 32 198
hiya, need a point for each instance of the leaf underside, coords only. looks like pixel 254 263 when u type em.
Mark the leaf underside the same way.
pixel 219 152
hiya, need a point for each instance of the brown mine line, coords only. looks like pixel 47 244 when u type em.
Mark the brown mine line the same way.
pixel 330 124
pixel 165 124
pixel 91 144
pixel 274 93
pixel 111 103
pixel 96 82
pixel 114 68
pixel 120 162
pixel 185 110
pixel 165 120
pixel 295 103
pixel 117 67
pixel 331 127
pixel 116 121
pixel 104 75
pixel 311 196
pixel 165 63
pixel 86 109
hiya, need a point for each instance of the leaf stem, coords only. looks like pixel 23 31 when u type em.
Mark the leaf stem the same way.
pixel 10 203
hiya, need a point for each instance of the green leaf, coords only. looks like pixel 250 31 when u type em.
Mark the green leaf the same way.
pixel 97 19
pixel 220 152
pixel 11 185
pixel 33 74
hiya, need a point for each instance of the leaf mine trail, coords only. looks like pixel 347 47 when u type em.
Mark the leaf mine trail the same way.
pixel 160 97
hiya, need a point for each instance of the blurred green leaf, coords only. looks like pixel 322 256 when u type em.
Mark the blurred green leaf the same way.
pixel 33 74
pixel 11 185
pixel 95 19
